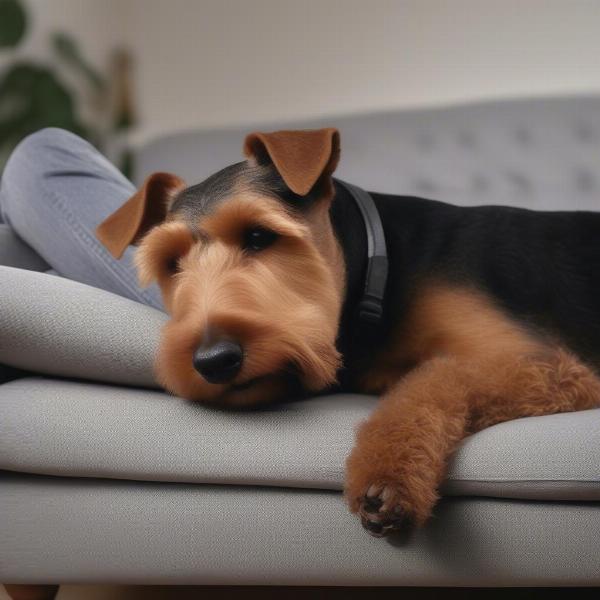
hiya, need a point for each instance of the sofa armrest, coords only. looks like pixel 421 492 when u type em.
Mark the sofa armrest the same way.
pixel 60 327
pixel 16 253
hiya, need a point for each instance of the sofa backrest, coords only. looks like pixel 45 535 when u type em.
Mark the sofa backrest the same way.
pixel 539 153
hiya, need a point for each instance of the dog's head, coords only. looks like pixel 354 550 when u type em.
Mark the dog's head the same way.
pixel 249 268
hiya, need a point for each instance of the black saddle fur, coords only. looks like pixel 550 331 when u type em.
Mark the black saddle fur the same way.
pixel 542 268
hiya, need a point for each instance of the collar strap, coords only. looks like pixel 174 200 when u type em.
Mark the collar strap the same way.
pixel 370 306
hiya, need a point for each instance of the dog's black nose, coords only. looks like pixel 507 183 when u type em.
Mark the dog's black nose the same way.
pixel 219 363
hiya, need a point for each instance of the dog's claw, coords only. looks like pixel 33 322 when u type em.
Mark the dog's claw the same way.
pixel 372 505
pixel 373 528
pixel 381 514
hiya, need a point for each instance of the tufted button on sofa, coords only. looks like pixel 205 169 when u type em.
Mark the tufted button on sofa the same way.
pixel 106 478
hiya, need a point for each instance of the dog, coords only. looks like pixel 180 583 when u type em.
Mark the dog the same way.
pixel 489 313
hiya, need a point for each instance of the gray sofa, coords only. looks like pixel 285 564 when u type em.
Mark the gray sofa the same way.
pixel 107 479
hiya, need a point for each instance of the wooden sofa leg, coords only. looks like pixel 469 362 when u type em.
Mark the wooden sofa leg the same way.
pixel 31 592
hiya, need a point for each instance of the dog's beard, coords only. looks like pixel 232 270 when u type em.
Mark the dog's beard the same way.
pixel 260 391
pixel 284 317
pixel 279 361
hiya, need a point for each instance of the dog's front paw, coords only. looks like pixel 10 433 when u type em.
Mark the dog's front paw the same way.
pixel 383 508
pixel 389 488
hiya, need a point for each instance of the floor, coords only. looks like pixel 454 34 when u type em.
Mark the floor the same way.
pixel 106 592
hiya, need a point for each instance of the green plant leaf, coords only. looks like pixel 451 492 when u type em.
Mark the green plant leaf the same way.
pixel 13 23
pixel 68 50
pixel 32 97
pixel 126 163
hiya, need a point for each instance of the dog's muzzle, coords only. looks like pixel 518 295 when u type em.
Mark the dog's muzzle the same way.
pixel 220 362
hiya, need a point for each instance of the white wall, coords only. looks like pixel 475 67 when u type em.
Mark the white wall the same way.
pixel 204 63
pixel 92 22
pixel 219 62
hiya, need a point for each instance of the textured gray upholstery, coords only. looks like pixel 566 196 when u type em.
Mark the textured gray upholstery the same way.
pixel 64 530
pixel 174 527
pixel 539 154
pixel 89 430
pixel 61 327
pixel 16 253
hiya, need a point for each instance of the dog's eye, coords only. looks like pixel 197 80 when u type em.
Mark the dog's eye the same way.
pixel 172 265
pixel 257 238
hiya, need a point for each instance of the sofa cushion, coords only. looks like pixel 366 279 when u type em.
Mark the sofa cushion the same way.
pixel 68 428
pixel 60 327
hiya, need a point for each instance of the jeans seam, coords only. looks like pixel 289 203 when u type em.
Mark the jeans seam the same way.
pixel 72 225
pixel 91 245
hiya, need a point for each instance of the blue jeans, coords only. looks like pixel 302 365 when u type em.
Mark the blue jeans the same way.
pixel 55 190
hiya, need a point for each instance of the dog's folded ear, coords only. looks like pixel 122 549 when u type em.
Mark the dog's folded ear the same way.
pixel 145 209
pixel 303 158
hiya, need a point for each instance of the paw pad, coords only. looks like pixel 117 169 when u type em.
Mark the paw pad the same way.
pixel 381 513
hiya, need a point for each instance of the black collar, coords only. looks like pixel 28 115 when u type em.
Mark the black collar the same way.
pixel 370 306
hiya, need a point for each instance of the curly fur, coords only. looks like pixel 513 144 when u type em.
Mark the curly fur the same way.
pixel 477 367
pixel 455 359
pixel 221 290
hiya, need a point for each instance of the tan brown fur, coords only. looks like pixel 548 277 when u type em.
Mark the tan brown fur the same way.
pixel 445 319
pixel 145 209
pixel 219 290
pixel 457 362
pixel 301 157
pixel 475 367
pixel 162 250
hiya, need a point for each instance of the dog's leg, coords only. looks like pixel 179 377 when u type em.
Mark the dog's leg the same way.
pixel 401 451
pixel 31 592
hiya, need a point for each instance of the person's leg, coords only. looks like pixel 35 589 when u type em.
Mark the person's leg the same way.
pixel 55 190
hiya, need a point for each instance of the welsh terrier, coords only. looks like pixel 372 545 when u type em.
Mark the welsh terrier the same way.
pixel 488 314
